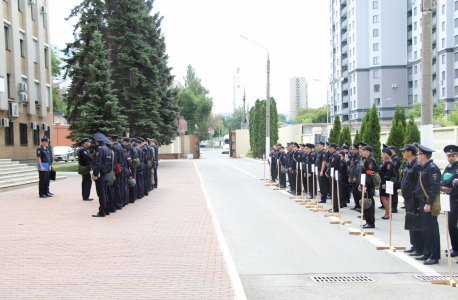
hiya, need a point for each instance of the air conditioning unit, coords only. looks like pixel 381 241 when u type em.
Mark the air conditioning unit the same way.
pixel 394 86
pixel 13 110
pixel 22 87
pixel 32 2
pixel 23 97
pixel 33 126
pixel 44 127
pixel 44 10
pixel 5 122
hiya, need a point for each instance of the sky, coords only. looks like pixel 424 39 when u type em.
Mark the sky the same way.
pixel 206 34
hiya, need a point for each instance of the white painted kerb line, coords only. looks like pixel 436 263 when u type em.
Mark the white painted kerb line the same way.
pixel 232 270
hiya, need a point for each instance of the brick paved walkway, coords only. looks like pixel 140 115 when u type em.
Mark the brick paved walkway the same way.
pixel 162 247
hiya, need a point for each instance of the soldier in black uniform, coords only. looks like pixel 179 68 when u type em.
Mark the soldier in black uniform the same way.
pixel 140 170
pixel 369 168
pixel 412 203
pixel 146 157
pixel 334 165
pixel 44 157
pixel 282 162
pixel 329 180
pixel 428 183
pixel 343 182
pixel 85 159
pixel 321 165
pixel 289 159
pixel 353 176
pixel 118 186
pixel 312 164
pixel 156 155
pixel 296 170
pixel 447 186
pixel 304 167
pixel 111 194
pixel 101 169
pixel 397 164
pixel 125 171
pixel 272 165
pixel 133 171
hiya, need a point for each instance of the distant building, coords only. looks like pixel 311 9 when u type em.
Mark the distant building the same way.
pixel 298 87
pixel 26 112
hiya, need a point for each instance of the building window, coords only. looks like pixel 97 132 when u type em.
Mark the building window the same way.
pixel 415 26
pixel 376 47
pixel 443 75
pixel 31 13
pixel 443 9
pixel 456 39
pixel 415 84
pixel 415 55
pixel 455 56
pixel 443 59
pixel 421 23
pixel 354 91
pixel 375 4
pixel 443 26
pixel 376 60
pixel 8 85
pixel 36 137
pixel 37 93
pixel 415 40
pixel 377 74
pixel 375 19
pixel 456 92
pixel 415 70
pixel 21 44
pixel 48 97
pixel 45 20
pixel 456 74
pixel 375 32
pixel 443 43
pixel 456 5
pixel 420 37
pixel 414 11
pixel 376 88
pixel 377 101
pixel 443 92
pixel 9 135
pixel 46 58
pixel 7 38
pixel 19 5
pixel 23 134
pixel 35 51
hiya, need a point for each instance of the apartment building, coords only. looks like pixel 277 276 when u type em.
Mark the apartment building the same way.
pixel 25 78
pixel 298 90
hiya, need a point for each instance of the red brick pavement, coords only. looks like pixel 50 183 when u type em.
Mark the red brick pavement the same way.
pixel 164 246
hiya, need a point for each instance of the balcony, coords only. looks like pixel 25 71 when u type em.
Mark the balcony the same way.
pixel 345 111
pixel 410 76
pixel 344 36
pixel 343 24
pixel 344 73
pixel 343 12
pixel 434 36
pixel 343 2
pixel 344 49
pixel 434 52
pixel 409 35
pixel 409 5
pixel 409 49
pixel 434 21
pixel 345 87
pixel 345 99
pixel 409 20
pixel 410 91
pixel 345 61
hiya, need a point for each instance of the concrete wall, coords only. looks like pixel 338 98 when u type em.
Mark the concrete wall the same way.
pixel 291 133
pixel 173 148
pixel 242 141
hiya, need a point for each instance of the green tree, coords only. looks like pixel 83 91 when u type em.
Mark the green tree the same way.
pixel 372 133
pixel 251 128
pixel 282 118
pixel 58 104
pixel 190 75
pixel 439 110
pixel 453 115
pixel 403 117
pixel 416 109
pixel 413 134
pixel 310 115
pixel 396 137
pixel 55 65
pixel 357 137
pixel 235 120
pixel 363 124
pixel 273 122
pixel 345 136
pixel 100 111
pixel 334 134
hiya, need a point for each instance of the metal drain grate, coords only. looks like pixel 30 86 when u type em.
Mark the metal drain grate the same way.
pixel 332 279
pixel 427 278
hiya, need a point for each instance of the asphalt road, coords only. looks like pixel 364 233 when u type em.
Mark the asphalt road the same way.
pixel 277 244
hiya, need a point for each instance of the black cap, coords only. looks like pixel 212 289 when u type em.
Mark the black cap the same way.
pixel 311 146
pixel 321 143
pixel 114 137
pixel 279 144
pixel 99 137
pixel 107 142
pixel 338 149
pixel 343 153
pixel 126 139
pixel 384 146
pixel 361 144
pixel 368 148
pixel 295 144
pixel 85 140
pixel 451 149
pixel 333 145
pixel 123 146
pixel 386 151
pixel 345 147
pixel 281 147
pixel 409 147
pixel 287 144
pixel 44 139
pixel 272 149
pixel 392 148
pixel 425 150
pixel 355 146
pixel 327 144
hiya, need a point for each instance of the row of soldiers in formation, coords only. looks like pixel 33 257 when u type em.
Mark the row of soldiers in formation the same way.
pixel 421 183
pixel 134 164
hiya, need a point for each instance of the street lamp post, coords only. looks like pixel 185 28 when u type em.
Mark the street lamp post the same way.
pixel 327 104
pixel 267 98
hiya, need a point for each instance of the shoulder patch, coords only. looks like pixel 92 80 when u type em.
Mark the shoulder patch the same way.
pixel 456 171
pixel 432 165
pixel 394 163
pixel 370 166
pixel 435 176
pixel 38 151
pixel 388 166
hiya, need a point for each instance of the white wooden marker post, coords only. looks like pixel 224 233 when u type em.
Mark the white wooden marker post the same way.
pixel 361 232
pixel 296 197
pixel 332 214
pixel 445 205
pixel 389 187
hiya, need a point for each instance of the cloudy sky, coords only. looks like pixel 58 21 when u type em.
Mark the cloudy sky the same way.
pixel 206 34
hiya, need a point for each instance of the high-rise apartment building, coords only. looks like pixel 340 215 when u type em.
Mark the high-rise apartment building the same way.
pixel 298 88
pixel 376 55
pixel 25 65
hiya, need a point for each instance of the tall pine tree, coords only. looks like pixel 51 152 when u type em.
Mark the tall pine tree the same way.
pixel 100 111
pixel 345 136
pixel 413 134
pixel 396 137
pixel 372 133
pixel 273 122
pixel 334 134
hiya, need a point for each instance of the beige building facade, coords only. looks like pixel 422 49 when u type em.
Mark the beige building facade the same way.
pixel 25 78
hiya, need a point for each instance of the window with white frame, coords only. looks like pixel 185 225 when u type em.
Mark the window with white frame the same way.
pixel 375 19
pixel 443 43
pixel 377 74
pixel 443 59
pixel 443 92
pixel 443 26
pixel 376 60
pixel 375 32
pixel 376 47
pixel 376 88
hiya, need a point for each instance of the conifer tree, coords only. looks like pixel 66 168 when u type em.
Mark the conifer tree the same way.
pixel 251 125
pixel 403 117
pixel 372 133
pixel 357 137
pixel 335 131
pixel 261 119
pixel 396 137
pixel 100 111
pixel 413 134
pixel 345 136
pixel 273 122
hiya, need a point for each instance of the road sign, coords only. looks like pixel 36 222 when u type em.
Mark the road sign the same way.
pixel 209 130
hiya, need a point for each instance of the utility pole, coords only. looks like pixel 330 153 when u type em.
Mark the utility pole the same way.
pixel 426 75
pixel 268 107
